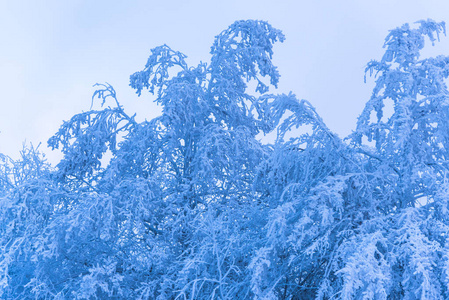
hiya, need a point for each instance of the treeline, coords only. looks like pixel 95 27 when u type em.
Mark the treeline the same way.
pixel 193 206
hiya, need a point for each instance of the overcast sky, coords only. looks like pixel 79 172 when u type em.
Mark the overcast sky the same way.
pixel 52 52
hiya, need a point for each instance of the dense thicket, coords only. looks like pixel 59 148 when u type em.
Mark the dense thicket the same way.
pixel 193 206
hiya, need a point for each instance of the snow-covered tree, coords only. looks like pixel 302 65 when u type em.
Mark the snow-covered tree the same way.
pixel 361 222
pixel 192 205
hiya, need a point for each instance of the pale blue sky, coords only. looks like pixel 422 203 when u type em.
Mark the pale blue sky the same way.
pixel 52 52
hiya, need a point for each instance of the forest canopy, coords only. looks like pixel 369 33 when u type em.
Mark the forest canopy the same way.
pixel 192 205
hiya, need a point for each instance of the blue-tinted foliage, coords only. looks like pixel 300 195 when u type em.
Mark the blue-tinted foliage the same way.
pixel 192 205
